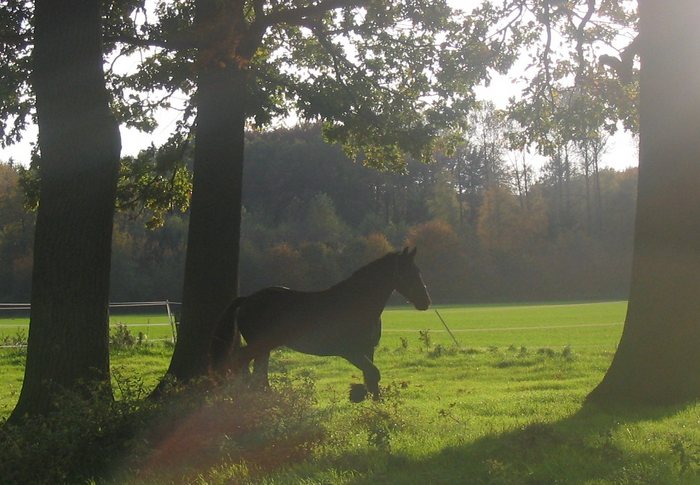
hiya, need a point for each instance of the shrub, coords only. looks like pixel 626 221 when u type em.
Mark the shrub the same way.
pixel 381 419
pixel 121 338
pixel 74 442
pixel 137 440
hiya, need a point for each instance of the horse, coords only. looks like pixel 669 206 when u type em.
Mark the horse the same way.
pixel 343 320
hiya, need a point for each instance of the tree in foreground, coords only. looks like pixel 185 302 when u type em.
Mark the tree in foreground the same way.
pixel 79 146
pixel 386 79
pixel 658 361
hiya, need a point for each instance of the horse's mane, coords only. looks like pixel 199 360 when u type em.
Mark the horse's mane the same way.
pixel 374 266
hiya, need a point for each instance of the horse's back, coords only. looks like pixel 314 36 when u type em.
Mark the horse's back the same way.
pixel 311 322
pixel 274 313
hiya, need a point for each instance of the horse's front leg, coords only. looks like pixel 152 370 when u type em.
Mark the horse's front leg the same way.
pixel 370 374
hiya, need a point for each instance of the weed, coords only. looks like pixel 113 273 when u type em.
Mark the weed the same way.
pixel 567 353
pixel 470 351
pixel 15 345
pixel 19 339
pixel 498 471
pixel 448 413
pixel 608 450
pixel 546 351
pixel 381 419
pixel 424 337
pixel 688 455
pixel 438 351
pixel 404 343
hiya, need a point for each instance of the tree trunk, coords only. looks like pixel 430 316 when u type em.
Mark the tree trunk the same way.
pixel 80 145
pixel 598 193
pixel 658 360
pixel 211 265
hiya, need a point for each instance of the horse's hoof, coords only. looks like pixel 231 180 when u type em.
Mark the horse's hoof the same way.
pixel 358 392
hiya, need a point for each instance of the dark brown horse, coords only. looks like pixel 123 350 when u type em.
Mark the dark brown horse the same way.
pixel 344 320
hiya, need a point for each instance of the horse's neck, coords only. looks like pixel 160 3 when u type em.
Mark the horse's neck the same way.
pixel 365 290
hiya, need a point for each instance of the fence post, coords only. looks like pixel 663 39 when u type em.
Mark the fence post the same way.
pixel 171 319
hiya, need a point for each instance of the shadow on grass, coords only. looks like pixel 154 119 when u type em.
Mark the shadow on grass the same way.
pixel 591 446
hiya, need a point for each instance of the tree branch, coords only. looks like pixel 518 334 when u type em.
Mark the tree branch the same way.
pixel 16 40
pixel 301 15
pixel 170 45
pixel 624 64
pixel 258 9
pixel 580 34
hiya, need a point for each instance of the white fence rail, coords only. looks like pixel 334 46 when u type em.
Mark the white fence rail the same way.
pixel 169 313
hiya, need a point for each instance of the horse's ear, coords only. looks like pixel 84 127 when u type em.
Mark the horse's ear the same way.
pixel 412 254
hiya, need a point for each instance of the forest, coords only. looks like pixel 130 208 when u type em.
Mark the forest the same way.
pixel 312 216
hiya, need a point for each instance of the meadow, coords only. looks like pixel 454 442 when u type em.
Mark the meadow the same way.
pixel 503 405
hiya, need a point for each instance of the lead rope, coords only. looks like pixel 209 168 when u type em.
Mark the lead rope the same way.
pixel 447 328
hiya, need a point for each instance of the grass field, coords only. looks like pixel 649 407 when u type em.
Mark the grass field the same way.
pixel 506 405
pixel 155 325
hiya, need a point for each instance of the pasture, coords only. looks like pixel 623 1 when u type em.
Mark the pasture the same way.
pixel 505 405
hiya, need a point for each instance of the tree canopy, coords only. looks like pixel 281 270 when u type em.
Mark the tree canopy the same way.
pixel 385 78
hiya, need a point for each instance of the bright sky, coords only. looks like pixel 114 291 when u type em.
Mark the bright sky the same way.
pixel 621 152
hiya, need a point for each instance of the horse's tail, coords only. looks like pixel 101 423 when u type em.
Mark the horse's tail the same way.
pixel 227 336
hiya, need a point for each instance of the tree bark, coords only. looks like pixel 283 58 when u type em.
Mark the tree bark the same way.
pixel 80 145
pixel 211 265
pixel 658 361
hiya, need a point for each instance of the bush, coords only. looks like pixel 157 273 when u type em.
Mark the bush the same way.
pixel 137 440
pixel 74 442
pixel 381 419
pixel 121 338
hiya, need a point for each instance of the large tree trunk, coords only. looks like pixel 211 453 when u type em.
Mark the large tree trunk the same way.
pixel 658 359
pixel 80 145
pixel 211 266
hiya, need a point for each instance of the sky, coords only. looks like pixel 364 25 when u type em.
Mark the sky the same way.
pixel 621 152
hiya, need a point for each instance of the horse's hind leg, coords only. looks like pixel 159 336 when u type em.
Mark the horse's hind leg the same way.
pixel 242 359
pixel 261 365
pixel 370 373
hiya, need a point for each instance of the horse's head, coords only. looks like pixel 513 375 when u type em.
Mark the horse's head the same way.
pixel 409 282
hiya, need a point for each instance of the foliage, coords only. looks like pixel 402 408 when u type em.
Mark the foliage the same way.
pixel 127 440
pixel 16 99
pixel 121 338
pixel 382 419
pixel 157 181
pixel 572 86
pixel 16 237
pixel 385 78
pixel 75 442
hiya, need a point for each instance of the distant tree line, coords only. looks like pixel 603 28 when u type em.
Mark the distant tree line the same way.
pixel 487 227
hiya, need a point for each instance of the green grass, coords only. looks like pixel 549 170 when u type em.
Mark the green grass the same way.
pixel 155 326
pixel 505 406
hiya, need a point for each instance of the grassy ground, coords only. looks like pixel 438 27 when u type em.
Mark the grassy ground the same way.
pixel 156 326
pixel 503 406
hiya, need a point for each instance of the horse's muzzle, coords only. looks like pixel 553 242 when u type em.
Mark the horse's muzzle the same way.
pixel 423 305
